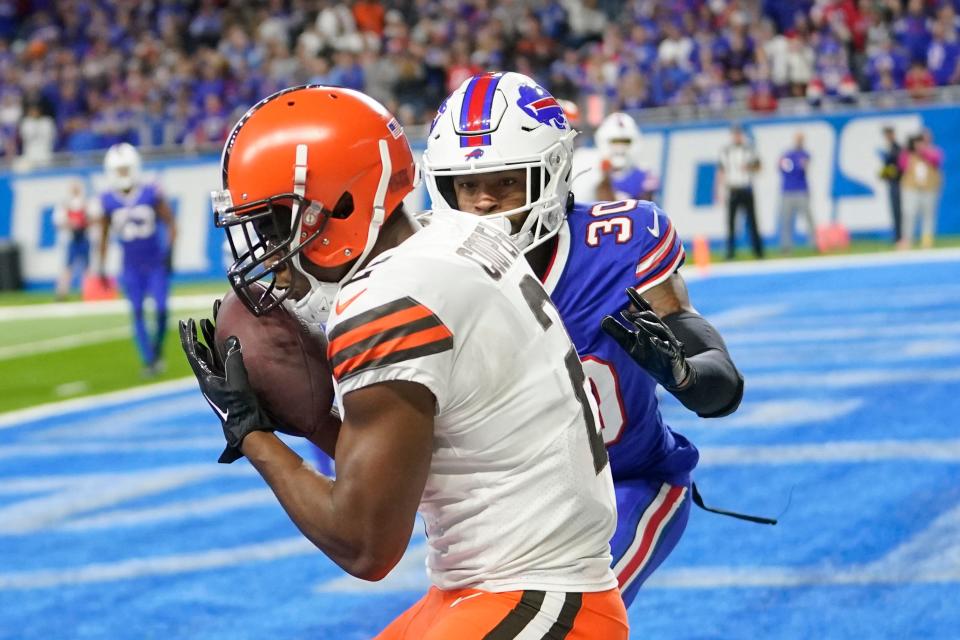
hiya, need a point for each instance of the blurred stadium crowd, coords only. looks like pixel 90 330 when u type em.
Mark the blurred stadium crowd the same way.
pixel 78 76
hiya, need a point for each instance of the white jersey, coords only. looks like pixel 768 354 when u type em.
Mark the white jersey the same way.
pixel 519 494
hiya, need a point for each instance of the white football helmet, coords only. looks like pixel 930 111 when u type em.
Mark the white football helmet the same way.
pixel 122 164
pixel 497 122
pixel 618 139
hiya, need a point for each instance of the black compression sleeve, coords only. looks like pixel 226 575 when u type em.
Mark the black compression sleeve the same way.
pixel 716 387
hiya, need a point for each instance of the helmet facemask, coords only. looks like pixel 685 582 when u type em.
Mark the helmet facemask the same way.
pixel 303 206
pixel 548 178
pixel 499 122
pixel 263 238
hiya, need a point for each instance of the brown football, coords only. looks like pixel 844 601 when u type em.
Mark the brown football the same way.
pixel 286 366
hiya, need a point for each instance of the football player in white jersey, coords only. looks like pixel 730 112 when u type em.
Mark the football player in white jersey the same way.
pixel 459 389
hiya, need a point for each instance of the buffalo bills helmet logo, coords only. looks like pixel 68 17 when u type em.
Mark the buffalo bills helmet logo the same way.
pixel 476 154
pixel 541 106
pixel 440 112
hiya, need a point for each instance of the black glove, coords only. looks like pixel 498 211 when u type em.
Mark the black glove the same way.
pixel 168 261
pixel 209 328
pixel 224 384
pixel 650 343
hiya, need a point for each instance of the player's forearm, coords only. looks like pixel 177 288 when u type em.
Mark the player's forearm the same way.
pixel 714 387
pixel 307 497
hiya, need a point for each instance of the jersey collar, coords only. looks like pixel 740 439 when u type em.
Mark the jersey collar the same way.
pixel 559 259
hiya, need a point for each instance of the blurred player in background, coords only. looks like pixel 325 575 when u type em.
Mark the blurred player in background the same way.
pixel 618 140
pixel 138 216
pixel 74 217
pixel 795 194
pixel 587 254
pixel 446 356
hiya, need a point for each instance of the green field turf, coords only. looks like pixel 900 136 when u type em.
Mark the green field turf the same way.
pixel 84 370
pixel 45 359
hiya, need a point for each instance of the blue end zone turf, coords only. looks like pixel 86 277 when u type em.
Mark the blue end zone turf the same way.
pixel 116 522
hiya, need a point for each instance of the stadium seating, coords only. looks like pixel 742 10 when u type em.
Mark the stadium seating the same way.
pixel 178 74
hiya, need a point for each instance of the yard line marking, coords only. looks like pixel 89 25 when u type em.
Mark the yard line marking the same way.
pixel 747 315
pixel 879 352
pixel 45 450
pixel 52 509
pixel 775 414
pixel 787 577
pixel 799 319
pixel 106 307
pixel 832 452
pixel 13 485
pixel 156 391
pixel 137 446
pixel 187 509
pixel 822 334
pixel 849 379
pixel 63 342
pixel 822 263
pixel 929 550
pixel 158 566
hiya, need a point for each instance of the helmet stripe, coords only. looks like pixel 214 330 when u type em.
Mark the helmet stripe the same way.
pixel 477 106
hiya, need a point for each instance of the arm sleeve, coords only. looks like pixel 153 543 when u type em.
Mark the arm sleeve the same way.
pixel 662 255
pixel 716 386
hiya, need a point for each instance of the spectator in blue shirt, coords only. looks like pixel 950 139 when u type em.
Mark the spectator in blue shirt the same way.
pixel 942 55
pixel 795 194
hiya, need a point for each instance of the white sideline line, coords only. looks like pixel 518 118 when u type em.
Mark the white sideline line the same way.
pixel 106 307
pixel 96 448
pixel 13 485
pixel 163 565
pixel 786 577
pixel 821 263
pixel 832 452
pixel 849 379
pixel 154 391
pixel 199 508
pixel 63 342
pixel 789 335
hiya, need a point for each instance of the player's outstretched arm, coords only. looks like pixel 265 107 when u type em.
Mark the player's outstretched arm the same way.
pixel 679 348
pixel 362 520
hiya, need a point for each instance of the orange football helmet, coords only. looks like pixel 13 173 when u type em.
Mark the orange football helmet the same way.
pixel 310 171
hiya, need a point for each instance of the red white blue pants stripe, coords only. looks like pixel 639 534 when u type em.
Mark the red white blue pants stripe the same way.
pixel 651 517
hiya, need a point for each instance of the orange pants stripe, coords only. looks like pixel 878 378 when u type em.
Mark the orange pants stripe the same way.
pixel 472 614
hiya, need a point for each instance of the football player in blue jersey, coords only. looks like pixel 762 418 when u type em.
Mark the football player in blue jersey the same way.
pixel 137 214
pixel 501 147
pixel 618 140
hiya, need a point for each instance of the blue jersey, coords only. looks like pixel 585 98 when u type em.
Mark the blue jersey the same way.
pixel 602 249
pixel 633 182
pixel 133 220
pixel 793 170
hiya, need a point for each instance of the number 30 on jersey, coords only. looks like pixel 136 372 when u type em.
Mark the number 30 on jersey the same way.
pixel 620 227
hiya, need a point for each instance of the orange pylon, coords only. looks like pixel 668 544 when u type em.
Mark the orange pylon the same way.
pixel 701 253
